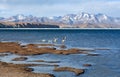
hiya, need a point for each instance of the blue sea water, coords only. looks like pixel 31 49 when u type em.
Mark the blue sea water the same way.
pixel 75 38
pixel 105 65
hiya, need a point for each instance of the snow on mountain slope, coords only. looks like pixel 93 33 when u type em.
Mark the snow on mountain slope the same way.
pixel 69 19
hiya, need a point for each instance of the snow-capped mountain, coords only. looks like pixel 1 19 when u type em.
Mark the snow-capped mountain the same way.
pixel 69 19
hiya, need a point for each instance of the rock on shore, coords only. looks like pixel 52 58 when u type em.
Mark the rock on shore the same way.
pixel 33 49
pixel 19 70
pixel 75 70
pixel 20 59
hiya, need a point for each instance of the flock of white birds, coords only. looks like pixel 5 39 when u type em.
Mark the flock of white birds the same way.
pixel 54 40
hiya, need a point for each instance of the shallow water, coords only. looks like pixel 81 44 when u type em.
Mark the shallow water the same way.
pixel 105 65
pixel 102 66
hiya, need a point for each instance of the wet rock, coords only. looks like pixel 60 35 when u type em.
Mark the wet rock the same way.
pixel 38 61
pixel 3 54
pixel 29 69
pixel 52 61
pixel 75 70
pixel 93 54
pixel 63 46
pixel 102 48
pixel 23 45
pixel 19 70
pixel 3 63
pixel 45 45
pixel 55 65
pixel 20 59
pixel 46 61
pixel 86 65
pixel 33 49
pixel 51 75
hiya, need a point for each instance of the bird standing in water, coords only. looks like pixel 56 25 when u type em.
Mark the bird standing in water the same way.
pixel 63 40
pixel 43 40
pixel 55 40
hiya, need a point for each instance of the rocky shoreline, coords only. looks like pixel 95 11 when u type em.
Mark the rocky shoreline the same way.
pixel 19 70
pixel 36 49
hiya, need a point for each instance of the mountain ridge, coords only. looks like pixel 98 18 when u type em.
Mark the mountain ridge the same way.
pixel 80 20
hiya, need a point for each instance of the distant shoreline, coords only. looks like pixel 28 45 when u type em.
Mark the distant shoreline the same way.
pixel 59 28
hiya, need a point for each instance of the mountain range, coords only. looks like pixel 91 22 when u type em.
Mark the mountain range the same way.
pixel 80 20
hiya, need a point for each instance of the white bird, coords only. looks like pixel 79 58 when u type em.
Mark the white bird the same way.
pixel 63 40
pixel 43 40
pixel 55 40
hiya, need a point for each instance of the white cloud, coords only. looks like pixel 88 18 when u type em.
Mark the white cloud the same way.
pixel 111 8
pixel 3 6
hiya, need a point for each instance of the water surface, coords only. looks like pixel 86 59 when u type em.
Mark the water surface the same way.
pixel 105 65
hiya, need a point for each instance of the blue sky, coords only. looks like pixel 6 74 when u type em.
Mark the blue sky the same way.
pixel 58 7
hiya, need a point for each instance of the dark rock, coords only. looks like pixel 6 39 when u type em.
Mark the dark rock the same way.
pixel 93 54
pixel 63 46
pixel 3 54
pixel 29 69
pixel 87 65
pixel 20 59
